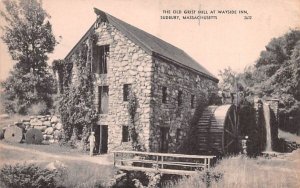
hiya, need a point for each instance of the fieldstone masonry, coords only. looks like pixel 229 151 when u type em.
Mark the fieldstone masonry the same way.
pixel 129 63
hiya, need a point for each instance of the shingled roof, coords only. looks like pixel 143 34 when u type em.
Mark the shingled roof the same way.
pixel 151 44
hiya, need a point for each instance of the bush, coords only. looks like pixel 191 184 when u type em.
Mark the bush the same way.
pixel 39 108
pixel 27 176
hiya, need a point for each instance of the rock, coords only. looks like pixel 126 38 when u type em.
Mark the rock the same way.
pixel 51 141
pixel 47 123
pixel 58 126
pixel 54 119
pixel 40 117
pixel 17 123
pixel 41 128
pixel 57 134
pixel 45 137
pixel 49 130
pixel 4 116
pixel 26 120
pixel 36 122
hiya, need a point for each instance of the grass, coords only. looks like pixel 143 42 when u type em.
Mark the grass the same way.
pixel 245 172
pixel 77 173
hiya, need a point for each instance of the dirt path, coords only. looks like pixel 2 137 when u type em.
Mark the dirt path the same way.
pixel 10 154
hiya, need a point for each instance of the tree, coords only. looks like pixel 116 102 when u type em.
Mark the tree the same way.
pixel 29 38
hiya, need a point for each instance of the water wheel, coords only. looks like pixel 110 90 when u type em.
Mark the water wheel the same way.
pixel 218 130
pixel 13 134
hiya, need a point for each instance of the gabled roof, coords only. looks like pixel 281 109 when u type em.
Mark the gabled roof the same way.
pixel 151 44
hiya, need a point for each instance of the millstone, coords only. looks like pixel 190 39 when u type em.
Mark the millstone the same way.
pixel 13 134
pixel 34 136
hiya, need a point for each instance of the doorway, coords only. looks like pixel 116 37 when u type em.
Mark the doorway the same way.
pixel 164 139
pixel 101 139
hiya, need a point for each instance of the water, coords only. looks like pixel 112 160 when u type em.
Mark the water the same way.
pixel 267 116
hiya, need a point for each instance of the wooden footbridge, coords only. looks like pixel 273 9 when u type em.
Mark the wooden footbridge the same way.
pixel 164 163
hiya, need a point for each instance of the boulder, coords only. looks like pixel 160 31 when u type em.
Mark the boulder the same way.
pixel 49 130
pixel 54 119
pixel 36 122
pixel 47 123
pixel 58 126
pixel 57 134
pixel 41 128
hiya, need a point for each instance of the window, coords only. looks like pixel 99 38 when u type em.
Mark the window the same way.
pixel 126 91
pixel 164 95
pixel 103 99
pixel 178 135
pixel 192 101
pixel 179 98
pixel 101 54
pixel 125 134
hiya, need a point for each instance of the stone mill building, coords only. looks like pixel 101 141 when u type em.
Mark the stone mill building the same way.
pixel 165 80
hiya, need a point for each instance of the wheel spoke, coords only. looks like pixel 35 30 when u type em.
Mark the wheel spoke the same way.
pixel 230 133
pixel 229 144
pixel 231 122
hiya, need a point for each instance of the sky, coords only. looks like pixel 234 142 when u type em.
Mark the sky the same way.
pixel 230 40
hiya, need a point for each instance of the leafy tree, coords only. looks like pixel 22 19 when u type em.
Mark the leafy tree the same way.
pixel 29 38
pixel 276 73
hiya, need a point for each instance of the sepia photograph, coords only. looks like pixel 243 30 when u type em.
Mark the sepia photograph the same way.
pixel 149 94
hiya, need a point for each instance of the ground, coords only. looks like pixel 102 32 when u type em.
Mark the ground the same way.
pixel 83 170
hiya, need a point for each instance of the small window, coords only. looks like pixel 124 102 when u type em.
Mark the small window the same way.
pixel 125 134
pixel 179 98
pixel 126 91
pixel 178 135
pixel 192 101
pixel 164 95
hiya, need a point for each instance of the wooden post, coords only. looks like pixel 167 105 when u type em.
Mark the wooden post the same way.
pixel 162 162
pixel 157 162
pixel 114 159
pixel 208 165
pixel 205 163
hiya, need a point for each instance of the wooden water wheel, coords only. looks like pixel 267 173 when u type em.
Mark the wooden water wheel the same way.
pixel 218 130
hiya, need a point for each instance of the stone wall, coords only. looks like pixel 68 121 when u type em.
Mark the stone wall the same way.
pixel 130 64
pixel 169 114
pixel 127 64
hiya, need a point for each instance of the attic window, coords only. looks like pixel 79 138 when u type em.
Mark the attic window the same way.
pixel 101 56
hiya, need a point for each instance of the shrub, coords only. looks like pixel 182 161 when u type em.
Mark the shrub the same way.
pixel 27 176
pixel 39 108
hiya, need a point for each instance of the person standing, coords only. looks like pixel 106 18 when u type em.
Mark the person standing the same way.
pixel 92 143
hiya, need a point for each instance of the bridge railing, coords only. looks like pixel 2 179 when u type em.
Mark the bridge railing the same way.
pixel 161 162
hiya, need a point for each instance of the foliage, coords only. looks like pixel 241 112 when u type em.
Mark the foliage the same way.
pixel 76 107
pixel 38 109
pixel 27 176
pixel 137 145
pixel 29 38
pixel 276 74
